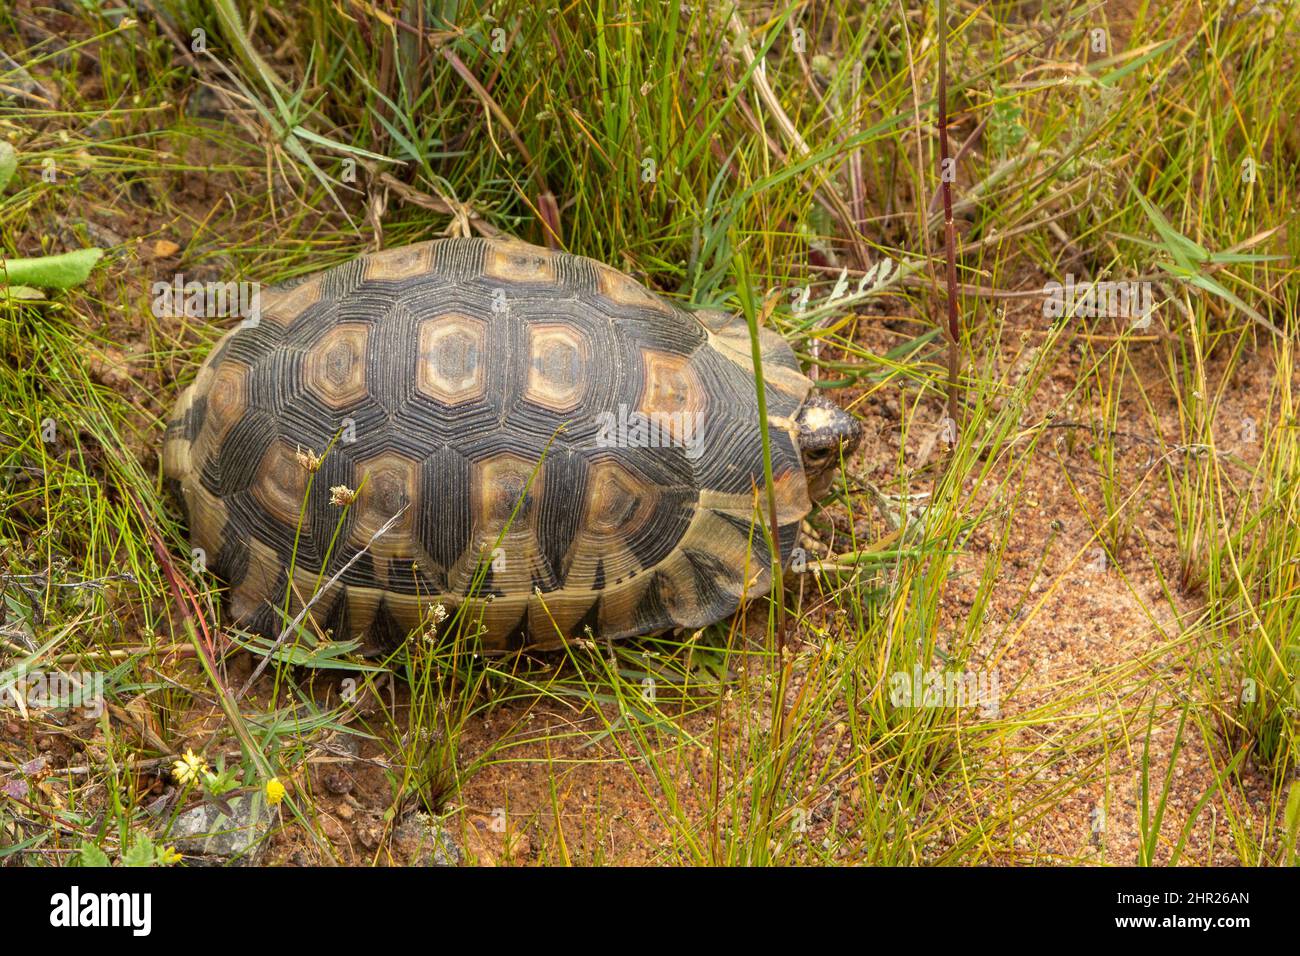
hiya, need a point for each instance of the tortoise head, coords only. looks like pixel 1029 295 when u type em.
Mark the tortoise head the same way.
pixel 827 435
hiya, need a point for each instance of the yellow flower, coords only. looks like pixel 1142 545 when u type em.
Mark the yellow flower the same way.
pixel 170 855
pixel 189 768
pixel 274 791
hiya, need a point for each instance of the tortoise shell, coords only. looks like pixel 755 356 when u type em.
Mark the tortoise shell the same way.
pixel 565 452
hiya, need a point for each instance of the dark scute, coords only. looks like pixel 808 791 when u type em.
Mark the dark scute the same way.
pixel 731 388
pixel 425 581
pixel 753 532
pixel 590 619
pixel 230 563
pixel 276 378
pixel 732 461
pixel 361 573
pixel 385 633
pixel 336 468
pixel 517 637
pixel 669 471
pixel 559 515
pixel 657 538
pixel 267 619
pixel 194 416
pixel 391 355
pixel 338 617
pixel 219 354
pixel 652 614
pixel 788 539
pixel 232 468
pixel 248 514
pixel 680 334
pixel 443 520
pixel 707 570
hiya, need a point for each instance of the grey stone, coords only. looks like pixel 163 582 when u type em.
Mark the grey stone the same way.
pixel 426 841
pixel 240 837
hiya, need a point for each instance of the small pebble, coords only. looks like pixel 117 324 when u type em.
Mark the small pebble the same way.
pixel 337 782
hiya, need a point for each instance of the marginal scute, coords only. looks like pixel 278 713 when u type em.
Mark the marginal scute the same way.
pixel 618 606
pixel 283 306
pixel 626 291
pixel 264 570
pixel 396 264
pixel 178 440
pixel 227 398
pixel 560 614
pixel 208 514
pixel 493 430
pixel 515 262
pixel 729 335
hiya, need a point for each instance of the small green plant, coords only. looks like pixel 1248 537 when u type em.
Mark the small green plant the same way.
pixel 142 851
pixel 21 278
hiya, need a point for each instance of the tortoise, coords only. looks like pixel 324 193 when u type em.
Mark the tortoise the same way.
pixel 539 438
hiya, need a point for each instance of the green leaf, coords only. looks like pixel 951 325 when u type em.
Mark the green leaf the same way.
pixel 311 137
pixel 51 272
pixel 91 856
pixel 1185 252
pixel 8 163
pixel 141 853
pixel 1244 257
pixel 1209 285
pixel 1112 77
pixel 307 651
pixel 24 292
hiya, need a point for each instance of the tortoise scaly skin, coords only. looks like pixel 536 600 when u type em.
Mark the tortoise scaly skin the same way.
pixel 481 383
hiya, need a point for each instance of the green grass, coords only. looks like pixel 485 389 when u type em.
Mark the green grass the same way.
pixel 652 139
